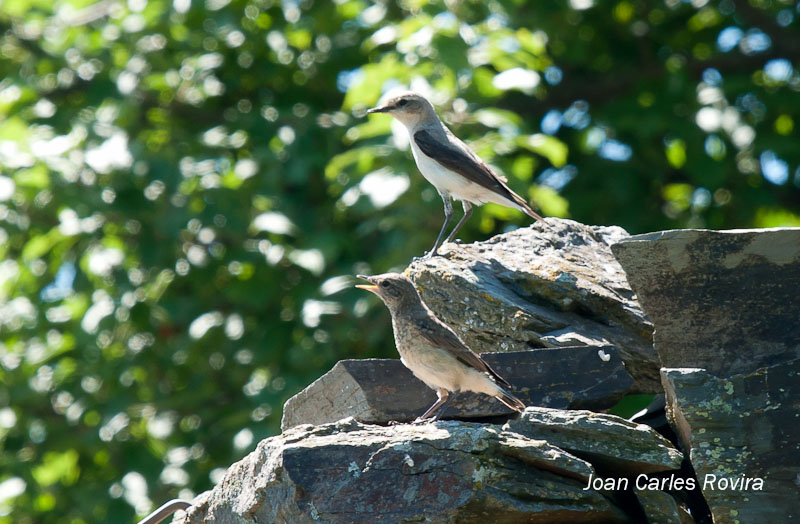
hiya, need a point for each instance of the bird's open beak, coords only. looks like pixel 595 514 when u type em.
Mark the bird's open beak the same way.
pixel 371 287
pixel 379 109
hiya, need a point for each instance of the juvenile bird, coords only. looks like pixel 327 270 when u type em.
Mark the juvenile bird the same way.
pixel 431 350
pixel 449 164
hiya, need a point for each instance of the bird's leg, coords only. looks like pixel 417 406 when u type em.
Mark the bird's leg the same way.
pixel 467 214
pixel 443 407
pixel 442 395
pixel 448 215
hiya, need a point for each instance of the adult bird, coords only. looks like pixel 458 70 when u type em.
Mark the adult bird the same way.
pixel 431 350
pixel 449 164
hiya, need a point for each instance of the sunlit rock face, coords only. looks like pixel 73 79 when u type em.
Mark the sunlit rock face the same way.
pixel 544 286
pixel 725 307
pixel 446 471
pixel 726 301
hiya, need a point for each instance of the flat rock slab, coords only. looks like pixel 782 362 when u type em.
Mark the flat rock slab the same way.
pixel 661 508
pixel 726 301
pixel 441 472
pixel 742 427
pixel 544 286
pixel 611 443
pixel 379 391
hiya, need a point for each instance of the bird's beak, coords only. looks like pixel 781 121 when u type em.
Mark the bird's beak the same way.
pixel 380 109
pixel 371 287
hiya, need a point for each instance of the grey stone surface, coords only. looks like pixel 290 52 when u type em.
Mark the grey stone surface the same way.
pixel 726 301
pixel 541 287
pixel 382 390
pixel 625 448
pixel 661 508
pixel 743 426
pixel 725 306
pixel 441 472
pixel 723 301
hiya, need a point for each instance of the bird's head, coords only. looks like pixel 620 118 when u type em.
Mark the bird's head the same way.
pixel 409 108
pixel 393 288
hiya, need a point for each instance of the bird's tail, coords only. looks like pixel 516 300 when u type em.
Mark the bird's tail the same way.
pixel 509 400
pixel 525 207
pixel 531 213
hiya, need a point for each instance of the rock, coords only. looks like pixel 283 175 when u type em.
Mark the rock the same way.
pixel 745 426
pixel 541 287
pixel 725 301
pixel 661 508
pixel 440 472
pixel 686 516
pixel 378 391
pixel 616 445
pixel 725 307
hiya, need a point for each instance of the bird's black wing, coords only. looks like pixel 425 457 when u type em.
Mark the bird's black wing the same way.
pixel 466 165
pixel 439 334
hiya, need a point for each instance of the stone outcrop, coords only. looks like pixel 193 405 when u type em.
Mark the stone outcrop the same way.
pixel 379 391
pixel 744 435
pixel 725 306
pixel 661 508
pixel 720 300
pixel 544 286
pixel 626 448
pixel 445 471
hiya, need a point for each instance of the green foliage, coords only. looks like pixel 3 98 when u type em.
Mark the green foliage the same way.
pixel 186 188
pixel 630 405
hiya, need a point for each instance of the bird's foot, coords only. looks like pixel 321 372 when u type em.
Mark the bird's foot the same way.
pixel 420 420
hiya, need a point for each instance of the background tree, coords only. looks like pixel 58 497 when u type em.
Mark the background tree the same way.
pixel 187 187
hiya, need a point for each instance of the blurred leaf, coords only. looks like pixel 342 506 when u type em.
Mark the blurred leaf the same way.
pixel 36 177
pixel 676 153
pixel 549 201
pixel 57 467
pixel 37 246
pixel 776 218
pixel 549 147
pixel 497 118
pixel 369 129
pixel 678 195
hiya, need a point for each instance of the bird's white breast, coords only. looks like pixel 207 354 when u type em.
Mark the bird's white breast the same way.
pixel 442 178
pixel 452 184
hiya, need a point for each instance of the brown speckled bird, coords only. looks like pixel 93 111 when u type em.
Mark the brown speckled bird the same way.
pixel 431 350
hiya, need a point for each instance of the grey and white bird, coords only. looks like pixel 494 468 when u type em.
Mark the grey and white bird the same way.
pixel 431 350
pixel 449 164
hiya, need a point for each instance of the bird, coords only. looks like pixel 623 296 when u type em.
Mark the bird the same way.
pixel 432 350
pixel 449 164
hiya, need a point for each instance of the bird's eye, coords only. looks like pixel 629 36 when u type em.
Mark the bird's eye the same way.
pixel 401 103
pixel 385 283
